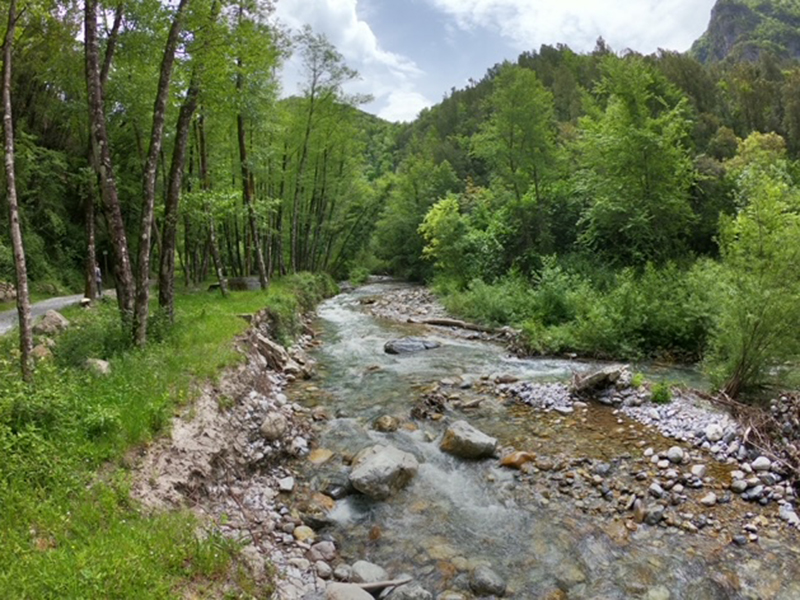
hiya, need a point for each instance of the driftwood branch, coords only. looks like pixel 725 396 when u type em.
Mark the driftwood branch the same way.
pixel 379 585
pixel 457 323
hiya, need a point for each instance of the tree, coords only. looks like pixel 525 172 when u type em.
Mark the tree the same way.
pixel 150 171
pixel 756 330
pixel 326 73
pixel 103 164
pixel 23 298
pixel 518 139
pixel 634 167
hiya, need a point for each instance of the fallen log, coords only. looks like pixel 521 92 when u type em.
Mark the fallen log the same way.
pixel 445 322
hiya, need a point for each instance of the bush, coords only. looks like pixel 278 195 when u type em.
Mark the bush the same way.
pixel 659 312
pixel 661 393
pixel 358 275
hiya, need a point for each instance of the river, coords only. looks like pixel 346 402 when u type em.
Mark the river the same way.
pixel 556 532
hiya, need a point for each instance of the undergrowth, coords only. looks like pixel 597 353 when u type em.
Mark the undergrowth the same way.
pixel 68 527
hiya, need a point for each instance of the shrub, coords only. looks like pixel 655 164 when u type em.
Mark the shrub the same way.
pixel 358 275
pixel 661 393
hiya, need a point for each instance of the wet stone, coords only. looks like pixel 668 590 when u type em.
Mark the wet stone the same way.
pixel 484 581
pixel 367 572
pixel 463 440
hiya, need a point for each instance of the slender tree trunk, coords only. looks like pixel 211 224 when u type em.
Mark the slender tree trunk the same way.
pixel 23 298
pixel 247 195
pixel 205 182
pixel 298 187
pixel 123 274
pixel 166 272
pixel 91 289
pixel 150 172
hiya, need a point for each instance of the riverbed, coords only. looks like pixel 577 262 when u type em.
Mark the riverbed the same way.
pixel 561 528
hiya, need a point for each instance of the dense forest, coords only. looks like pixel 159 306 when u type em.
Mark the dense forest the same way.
pixel 609 204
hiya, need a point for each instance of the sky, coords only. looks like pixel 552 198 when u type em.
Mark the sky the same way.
pixel 411 53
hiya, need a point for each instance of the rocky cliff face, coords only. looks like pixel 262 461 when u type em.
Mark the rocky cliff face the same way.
pixel 744 29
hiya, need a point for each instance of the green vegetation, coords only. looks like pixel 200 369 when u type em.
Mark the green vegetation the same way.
pixel 69 528
pixel 742 29
pixel 661 394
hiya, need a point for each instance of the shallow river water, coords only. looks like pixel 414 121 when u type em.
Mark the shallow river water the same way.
pixel 457 514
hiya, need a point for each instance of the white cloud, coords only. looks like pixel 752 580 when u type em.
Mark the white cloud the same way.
pixel 642 25
pixel 389 77
pixel 403 106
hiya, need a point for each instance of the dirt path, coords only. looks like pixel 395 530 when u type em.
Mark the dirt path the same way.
pixel 8 318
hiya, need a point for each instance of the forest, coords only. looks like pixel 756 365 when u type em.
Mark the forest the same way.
pixel 608 204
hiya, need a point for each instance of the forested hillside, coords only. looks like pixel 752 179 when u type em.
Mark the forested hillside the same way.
pixel 609 204
pixel 745 29
pixel 620 206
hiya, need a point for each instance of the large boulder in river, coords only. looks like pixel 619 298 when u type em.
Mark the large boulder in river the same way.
pixel 52 323
pixel 408 345
pixel 598 380
pixel 463 440
pixel 381 471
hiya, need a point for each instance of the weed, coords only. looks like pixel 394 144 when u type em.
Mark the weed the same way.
pixel 661 393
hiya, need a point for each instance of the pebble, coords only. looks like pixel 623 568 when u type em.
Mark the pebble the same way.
pixel 323 569
pixel 762 463
pixel 675 454
pixel 709 499
pixel 699 471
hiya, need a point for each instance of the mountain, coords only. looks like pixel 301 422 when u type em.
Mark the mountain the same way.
pixel 744 29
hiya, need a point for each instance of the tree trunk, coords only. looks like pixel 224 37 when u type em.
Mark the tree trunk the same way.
pixel 123 274
pixel 247 195
pixel 23 298
pixel 205 183
pixel 166 272
pixel 90 289
pixel 150 171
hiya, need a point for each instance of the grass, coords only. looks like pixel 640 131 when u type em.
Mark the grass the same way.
pixel 65 530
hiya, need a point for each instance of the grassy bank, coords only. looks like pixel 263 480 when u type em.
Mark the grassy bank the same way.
pixel 68 528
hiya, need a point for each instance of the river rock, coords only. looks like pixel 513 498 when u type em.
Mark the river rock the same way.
pixel 411 591
pixel 709 499
pixel 346 591
pixel 516 460
pixel 738 486
pixel 762 463
pixel 274 426
pixel 323 569
pixel 463 440
pixel 485 582
pixel 367 572
pixel 602 378
pixel 343 572
pixel 386 424
pixel 675 455
pixel 322 551
pixel 381 471
pixel 714 433
pixel 52 323
pixel 699 471
pixel 408 345
pixel 304 534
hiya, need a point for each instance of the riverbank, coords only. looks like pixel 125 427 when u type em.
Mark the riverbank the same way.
pixel 70 527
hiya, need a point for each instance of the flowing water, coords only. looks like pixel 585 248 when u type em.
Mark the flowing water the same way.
pixel 457 514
